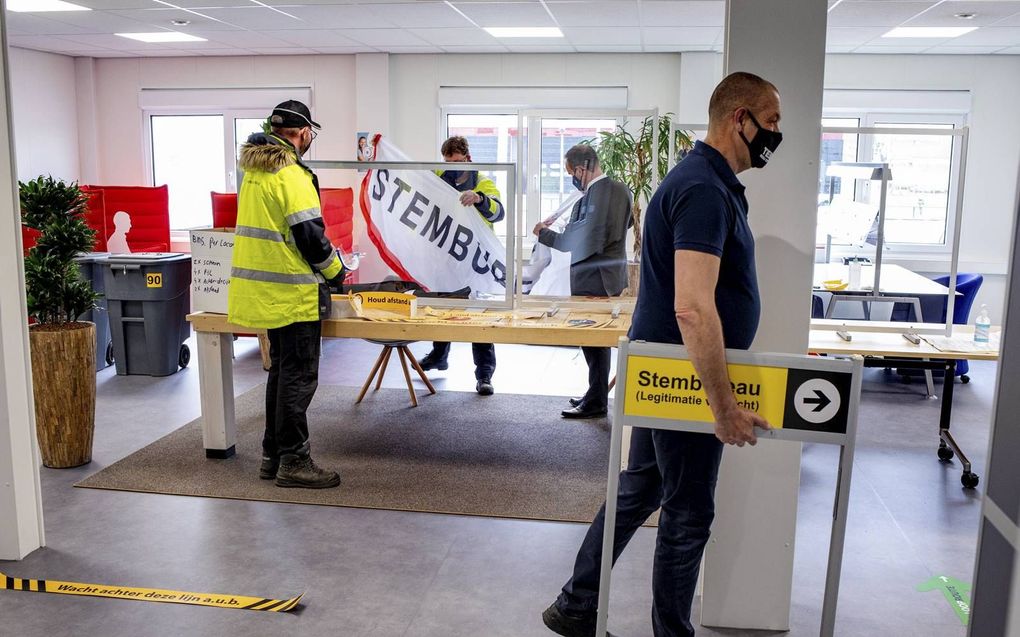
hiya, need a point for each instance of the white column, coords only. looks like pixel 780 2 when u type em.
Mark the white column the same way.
pixel 21 524
pixel 749 563
pixel 88 123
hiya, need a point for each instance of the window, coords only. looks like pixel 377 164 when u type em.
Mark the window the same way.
pixel 492 139
pixel 188 156
pixel 921 196
pixel 195 154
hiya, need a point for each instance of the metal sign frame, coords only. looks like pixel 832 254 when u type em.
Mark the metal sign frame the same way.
pixel 846 443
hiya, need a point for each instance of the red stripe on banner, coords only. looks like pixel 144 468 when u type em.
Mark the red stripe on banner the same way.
pixel 373 233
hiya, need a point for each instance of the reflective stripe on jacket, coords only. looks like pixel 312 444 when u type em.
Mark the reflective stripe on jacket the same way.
pixel 281 257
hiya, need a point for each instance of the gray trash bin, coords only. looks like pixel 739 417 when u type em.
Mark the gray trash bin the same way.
pixel 148 296
pixel 92 265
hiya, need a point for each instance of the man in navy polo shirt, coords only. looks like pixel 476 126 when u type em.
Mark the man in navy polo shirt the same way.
pixel 698 288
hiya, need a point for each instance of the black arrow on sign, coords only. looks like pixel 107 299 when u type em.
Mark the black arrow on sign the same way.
pixel 822 401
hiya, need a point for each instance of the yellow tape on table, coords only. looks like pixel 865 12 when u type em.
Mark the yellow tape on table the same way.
pixel 238 602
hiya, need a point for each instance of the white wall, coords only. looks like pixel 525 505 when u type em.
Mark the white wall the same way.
pixel 45 115
pixel 121 148
pixel 652 80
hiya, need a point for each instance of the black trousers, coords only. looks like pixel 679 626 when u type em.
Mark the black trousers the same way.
pixel 484 354
pixel 675 471
pixel 293 378
pixel 599 360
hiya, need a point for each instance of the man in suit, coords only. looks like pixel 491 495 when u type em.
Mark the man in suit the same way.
pixel 596 238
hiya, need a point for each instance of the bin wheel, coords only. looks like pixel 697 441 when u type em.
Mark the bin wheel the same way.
pixel 109 353
pixel 969 480
pixel 185 356
pixel 965 379
pixel 945 453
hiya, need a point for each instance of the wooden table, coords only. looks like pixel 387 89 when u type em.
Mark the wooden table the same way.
pixel 885 349
pixel 215 361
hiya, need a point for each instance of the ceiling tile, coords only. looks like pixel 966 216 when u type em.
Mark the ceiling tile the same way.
pixel 311 38
pixel 48 43
pixel 595 14
pixel 146 4
pixel 478 48
pixel 396 50
pixel 162 53
pixel 224 52
pixel 1013 21
pixel 162 18
pixel 690 13
pixel 97 22
pixel 1010 51
pixel 343 50
pixel 546 48
pixel 604 36
pixel 242 39
pixel 608 49
pixel 333 17
pixel 255 17
pixel 420 14
pixel 963 50
pixel 835 48
pixel 507 14
pixel 990 36
pixel 852 36
pixel 383 37
pixel 678 48
pixel 676 36
pixel 985 13
pixel 291 51
pixel 455 37
pixel 25 24
pixel 874 13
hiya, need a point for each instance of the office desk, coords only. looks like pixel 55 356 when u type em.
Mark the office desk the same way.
pixel 896 280
pixel 883 349
pixel 215 360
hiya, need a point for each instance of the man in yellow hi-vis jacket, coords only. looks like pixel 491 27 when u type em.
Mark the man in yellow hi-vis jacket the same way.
pixel 282 262
pixel 478 191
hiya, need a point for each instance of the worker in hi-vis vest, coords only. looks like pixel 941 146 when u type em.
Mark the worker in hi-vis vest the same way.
pixel 478 191
pixel 282 265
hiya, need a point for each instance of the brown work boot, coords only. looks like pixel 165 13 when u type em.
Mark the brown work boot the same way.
pixel 301 472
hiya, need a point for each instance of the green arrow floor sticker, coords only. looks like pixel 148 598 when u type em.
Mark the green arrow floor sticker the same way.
pixel 957 594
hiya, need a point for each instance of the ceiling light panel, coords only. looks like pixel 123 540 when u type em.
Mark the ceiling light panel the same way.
pixel 157 37
pixel 934 33
pixel 524 32
pixel 43 6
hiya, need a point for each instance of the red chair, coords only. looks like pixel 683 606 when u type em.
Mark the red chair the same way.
pixel 224 209
pixel 150 215
pixel 338 215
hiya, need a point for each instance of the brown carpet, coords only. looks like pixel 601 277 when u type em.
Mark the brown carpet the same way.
pixel 500 456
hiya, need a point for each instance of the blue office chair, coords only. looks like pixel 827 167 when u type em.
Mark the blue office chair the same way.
pixel 934 309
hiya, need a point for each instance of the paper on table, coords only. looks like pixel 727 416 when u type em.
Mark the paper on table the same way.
pixel 962 345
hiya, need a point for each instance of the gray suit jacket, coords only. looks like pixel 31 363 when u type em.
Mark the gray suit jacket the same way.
pixel 596 238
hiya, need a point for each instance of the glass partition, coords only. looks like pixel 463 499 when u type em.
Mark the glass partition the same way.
pixel 881 191
pixel 425 223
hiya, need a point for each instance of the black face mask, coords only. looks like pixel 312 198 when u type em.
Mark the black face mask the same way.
pixel 577 183
pixel 452 176
pixel 764 143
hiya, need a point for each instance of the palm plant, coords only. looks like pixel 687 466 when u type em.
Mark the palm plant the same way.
pixel 630 159
pixel 57 293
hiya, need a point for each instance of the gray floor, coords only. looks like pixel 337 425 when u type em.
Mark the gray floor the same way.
pixel 387 574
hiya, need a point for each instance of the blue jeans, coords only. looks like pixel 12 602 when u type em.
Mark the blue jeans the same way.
pixel 674 471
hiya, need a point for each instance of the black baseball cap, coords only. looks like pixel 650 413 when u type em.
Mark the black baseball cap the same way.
pixel 292 114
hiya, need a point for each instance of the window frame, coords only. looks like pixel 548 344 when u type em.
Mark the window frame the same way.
pixel 902 119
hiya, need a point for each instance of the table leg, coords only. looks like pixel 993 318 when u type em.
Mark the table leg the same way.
pixel 371 376
pixel 407 377
pixel 946 440
pixel 382 371
pixel 216 373
pixel 417 368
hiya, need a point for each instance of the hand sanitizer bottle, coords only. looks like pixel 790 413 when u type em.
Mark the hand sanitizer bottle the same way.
pixel 982 325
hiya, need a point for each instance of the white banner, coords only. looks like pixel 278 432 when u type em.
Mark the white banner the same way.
pixel 424 234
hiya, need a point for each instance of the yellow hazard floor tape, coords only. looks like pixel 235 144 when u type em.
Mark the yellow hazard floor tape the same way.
pixel 239 602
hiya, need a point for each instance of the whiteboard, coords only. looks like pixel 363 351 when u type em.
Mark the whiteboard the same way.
pixel 211 257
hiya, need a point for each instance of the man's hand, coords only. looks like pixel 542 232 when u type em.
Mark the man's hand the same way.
pixel 736 427
pixel 470 198
pixel 539 227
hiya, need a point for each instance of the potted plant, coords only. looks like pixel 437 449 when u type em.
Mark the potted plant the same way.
pixel 630 159
pixel 63 349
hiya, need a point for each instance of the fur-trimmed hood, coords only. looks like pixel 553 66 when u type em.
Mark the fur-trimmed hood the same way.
pixel 266 154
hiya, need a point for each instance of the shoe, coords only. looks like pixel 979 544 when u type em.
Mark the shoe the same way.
pixel 484 387
pixel 576 402
pixel 582 411
pixel 433 362
pixel 267 470
pixel 301 472
pixel 570 625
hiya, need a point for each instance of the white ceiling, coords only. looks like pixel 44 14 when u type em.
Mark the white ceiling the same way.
pixel 245 27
